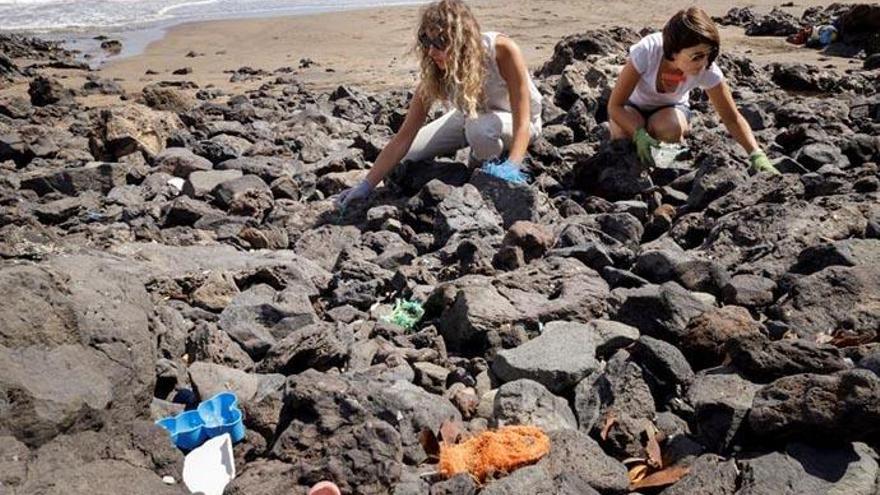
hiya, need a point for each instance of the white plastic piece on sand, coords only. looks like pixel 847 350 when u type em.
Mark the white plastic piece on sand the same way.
pixel 665 154
pixel 168 480
pixel 210 467
pixel 176 183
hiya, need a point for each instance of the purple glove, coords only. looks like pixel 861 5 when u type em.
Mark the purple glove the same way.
pixel 360 191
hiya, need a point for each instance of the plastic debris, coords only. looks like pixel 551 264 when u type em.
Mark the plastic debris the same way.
pixel 176 183
pixel 214 417
pixel 209 468
pixel 94 216
pixel 666 153
pixel 822 36
pixel 502 450
pixel 169 480
pixel 815 36
pixel 405 313
pixel 506 170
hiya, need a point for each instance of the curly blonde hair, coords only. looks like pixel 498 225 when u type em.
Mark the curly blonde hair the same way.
pixel 461 82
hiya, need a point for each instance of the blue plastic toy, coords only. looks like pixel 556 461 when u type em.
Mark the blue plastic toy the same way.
pixel 506 170
pixel 218 415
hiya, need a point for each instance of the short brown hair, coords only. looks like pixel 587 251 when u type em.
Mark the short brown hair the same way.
pixel 687 28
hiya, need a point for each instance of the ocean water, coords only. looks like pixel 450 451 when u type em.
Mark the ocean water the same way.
pixel 56 16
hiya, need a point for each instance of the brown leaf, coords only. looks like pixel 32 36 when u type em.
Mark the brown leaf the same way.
pixel 665 477
pixel 652 447
pixel 637 473
pixel 451 431
pixel 610 421
pixel 843 338
pixel 430 444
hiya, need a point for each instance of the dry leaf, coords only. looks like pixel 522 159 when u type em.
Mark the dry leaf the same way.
pixel 843 338
pixel 429 442
pixel 665 477
pixel 610 420
pixel 655 457
pixel 637 473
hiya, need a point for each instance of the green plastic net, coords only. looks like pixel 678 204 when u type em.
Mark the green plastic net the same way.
pixel 405 313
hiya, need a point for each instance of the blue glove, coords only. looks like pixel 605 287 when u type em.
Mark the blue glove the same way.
pixel 359 191
pixel 507 170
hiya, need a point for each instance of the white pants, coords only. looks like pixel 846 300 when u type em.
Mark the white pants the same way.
pixel 489 135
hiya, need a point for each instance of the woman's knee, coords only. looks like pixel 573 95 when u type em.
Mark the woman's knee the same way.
pixel 484 135
pixel 617 132
pixel 668 124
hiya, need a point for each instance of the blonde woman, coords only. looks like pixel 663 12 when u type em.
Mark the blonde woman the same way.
pixel 483 76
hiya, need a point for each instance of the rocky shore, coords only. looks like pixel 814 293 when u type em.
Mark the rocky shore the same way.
pixel 690 321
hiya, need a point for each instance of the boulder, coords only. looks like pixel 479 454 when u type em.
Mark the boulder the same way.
pixel 526 402
pixel 558 358
pixel 807 407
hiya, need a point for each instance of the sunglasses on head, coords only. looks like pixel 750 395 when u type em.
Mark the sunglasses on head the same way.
pixel 439 42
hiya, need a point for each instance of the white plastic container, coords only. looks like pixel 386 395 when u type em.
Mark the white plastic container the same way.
pixel 210 467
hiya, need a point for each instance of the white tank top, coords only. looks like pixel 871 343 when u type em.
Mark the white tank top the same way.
pixel 495 87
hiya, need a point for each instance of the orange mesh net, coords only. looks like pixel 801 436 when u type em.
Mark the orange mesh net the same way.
pixel 503 450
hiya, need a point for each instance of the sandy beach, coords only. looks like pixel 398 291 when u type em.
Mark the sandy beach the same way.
pixel 371 48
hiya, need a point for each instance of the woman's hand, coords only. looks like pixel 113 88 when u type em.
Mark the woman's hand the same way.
pixel 760 163
pixel 644 143
pixel 360 191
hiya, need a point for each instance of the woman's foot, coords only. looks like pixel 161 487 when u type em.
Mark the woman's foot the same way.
pixel 325 488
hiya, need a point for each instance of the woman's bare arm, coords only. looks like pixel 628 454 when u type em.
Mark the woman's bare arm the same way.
pixel 399 145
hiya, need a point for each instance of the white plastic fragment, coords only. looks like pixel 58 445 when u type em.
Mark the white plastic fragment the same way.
pixel 177 183
pixel 168 480
pixel 210 467
pixel 665 154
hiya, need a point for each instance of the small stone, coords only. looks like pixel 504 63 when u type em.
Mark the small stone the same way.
pixel 533 238
pixel 748 290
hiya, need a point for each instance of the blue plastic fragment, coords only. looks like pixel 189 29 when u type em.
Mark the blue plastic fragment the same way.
pixel 506 170
pixel 94 216
pixel 186 397
pixel 218 415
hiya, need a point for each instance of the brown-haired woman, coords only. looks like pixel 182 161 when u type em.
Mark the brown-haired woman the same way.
pixel 650 101
pixel 497 108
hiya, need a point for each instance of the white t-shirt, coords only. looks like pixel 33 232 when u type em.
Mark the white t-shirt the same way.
pixel 646 56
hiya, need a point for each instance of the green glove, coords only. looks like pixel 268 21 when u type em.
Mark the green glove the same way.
pixel 644 142
pixel 760 163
